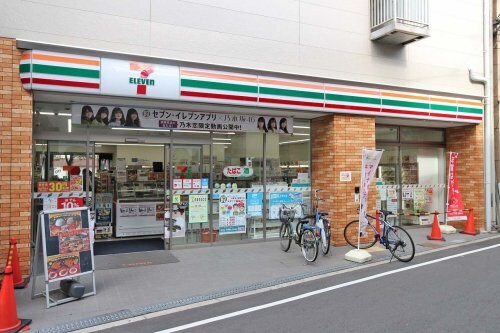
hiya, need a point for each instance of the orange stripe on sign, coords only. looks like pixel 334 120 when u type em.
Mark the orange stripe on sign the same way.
pixel 292 84
pixel 470 103
pixel 219 76
pixel 26 56
pixel 66 59
pixel 353 90
pixel 443 100
pixel 391 94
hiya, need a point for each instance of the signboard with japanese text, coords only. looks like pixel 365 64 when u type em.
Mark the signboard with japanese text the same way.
pixel 114 116
pixel 198 208
pixel 232 213
pixel 53 186
pixel 254 204
pixel 237 171
pixel 454 202
pixel 69 202
pixel 289 199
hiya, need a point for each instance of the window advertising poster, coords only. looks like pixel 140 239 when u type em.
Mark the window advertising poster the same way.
pixel 254 204
pixel 178 222
pixel 392 200
pixel 232 213
pixel 278 199
pixel 198 208
pixel 67 243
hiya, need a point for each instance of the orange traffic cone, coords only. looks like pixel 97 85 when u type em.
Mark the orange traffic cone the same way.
pixel 469 225
pixel 377 221
pixel 436 231
pixel 19 282
pixel 9 322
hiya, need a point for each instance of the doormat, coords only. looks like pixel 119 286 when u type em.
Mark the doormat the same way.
pixel 136 259
pixel 127 246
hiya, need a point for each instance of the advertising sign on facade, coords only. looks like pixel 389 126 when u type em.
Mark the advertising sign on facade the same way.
pixel 278 199
pixel 369 164
pixel 131 78
pixel 232 213
pixel 114 116
pixel 454 204
pixel 237 171
pixel 53 186
pixel 69 202
pixel 198 208
pixel 254 204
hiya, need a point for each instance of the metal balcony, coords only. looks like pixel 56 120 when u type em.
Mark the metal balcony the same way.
pixel 399 21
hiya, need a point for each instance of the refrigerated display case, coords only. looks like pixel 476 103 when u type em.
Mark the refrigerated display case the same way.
pixel 139 208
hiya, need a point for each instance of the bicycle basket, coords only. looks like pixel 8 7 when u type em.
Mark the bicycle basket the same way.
pixel 286 214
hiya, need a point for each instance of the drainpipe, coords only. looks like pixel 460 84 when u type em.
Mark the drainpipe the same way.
pixel 488 113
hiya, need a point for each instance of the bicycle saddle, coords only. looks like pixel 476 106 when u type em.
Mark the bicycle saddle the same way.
pixel 309 216
pixel 386 212
pixel 323 213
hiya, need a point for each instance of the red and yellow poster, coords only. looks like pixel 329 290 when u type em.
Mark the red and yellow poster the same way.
pixel 454 204
pixel 63 265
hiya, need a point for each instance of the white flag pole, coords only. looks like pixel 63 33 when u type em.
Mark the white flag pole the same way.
pixel 360 192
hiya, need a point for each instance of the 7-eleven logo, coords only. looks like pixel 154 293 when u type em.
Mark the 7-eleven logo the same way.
pixel 143 81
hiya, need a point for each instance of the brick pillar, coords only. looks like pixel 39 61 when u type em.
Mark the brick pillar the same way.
pixel 467 141
pixel 16 114
pixel 337 142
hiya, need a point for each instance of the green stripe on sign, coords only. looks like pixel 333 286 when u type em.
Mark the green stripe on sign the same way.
pixel 218 86
pixel 353 99
pixel 24 68
pixel 440 107
pixel 405 104
pixel 470 110
pixel 291 93
pixel 67 71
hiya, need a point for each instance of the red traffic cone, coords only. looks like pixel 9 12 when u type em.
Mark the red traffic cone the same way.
pixel 469 225
pixel 436 231
pixel 9 322
pixel 19 282
pixel 377 221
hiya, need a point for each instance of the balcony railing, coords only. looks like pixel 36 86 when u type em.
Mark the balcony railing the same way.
pixel 407 20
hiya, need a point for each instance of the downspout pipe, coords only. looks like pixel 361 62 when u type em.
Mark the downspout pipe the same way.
pixel 488 113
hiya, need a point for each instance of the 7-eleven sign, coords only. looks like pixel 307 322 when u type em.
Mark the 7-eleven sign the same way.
pixel 142 80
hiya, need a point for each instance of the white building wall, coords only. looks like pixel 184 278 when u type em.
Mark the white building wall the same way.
pixel 323 38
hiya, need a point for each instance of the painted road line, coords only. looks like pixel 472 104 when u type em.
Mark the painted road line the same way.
pixel 320 291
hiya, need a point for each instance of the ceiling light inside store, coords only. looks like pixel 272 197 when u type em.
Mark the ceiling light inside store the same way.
pixel 294 166
pixel 127 144
pixel 303 134
pixel 296 141
pixel 221 143
pixel 48 113
pixel 64 114
pixel 301 126
pixel 69 126
pixel 221 139
pixel 229 133
pixel 188 131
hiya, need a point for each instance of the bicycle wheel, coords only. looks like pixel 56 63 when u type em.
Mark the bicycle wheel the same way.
pixel 309 245
pixel 351 231
pixel 325 242
pixel 285 236
pixel 400 244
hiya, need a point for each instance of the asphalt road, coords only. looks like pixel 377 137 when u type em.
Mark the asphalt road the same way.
pixel 460 294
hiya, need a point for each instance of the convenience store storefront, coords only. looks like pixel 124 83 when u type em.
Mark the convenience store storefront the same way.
pixel 200 127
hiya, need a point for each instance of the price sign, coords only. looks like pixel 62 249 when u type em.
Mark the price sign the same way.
pixel 54 186
pixel 65 203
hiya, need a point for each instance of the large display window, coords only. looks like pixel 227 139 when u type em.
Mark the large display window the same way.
pixel 189 186
pixel 411 175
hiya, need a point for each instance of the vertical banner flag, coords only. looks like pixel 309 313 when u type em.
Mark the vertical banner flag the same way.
pixel 369 164
pixel 454 203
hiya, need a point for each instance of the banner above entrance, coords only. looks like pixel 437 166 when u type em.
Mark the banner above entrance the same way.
pixel 109 116
pixel 41 70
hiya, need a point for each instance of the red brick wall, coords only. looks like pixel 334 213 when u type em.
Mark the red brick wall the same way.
pixel 337 141
pixel 467 141
pixel 15 156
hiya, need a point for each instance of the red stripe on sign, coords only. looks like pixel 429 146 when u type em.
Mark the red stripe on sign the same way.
pixel 218 96
pixel 405 112
pixel 443 115
pixel 352 107
pixel 66 83
pixel 25 80
pixel 288 102
pixel 469 117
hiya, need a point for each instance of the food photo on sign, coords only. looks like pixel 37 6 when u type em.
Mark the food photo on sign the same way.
pixel 63 222
pixel 63 265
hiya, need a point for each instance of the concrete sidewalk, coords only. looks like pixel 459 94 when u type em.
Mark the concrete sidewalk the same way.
pixel 201 274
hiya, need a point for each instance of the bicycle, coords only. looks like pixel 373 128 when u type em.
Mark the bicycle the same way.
pixel 304 235
pixel 394 238
pixel 305 231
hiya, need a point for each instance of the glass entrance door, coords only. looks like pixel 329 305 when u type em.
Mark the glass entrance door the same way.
pixel 187 215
